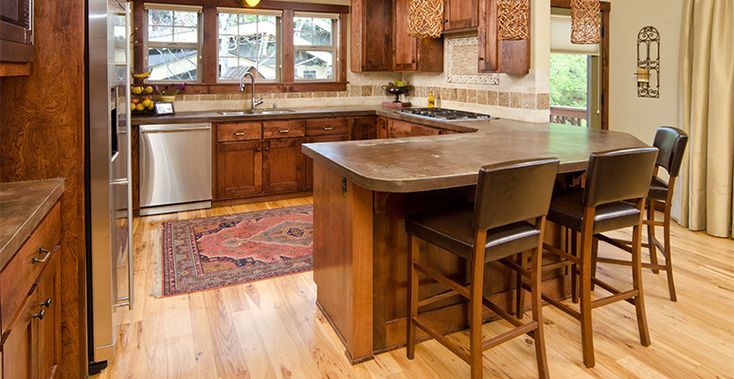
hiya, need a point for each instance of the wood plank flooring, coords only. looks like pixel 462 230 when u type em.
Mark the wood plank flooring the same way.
pixel 273 329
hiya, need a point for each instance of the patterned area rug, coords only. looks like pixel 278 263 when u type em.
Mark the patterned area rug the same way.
pixel 214 252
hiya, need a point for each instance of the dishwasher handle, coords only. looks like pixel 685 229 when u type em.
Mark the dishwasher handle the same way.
pixel 169 128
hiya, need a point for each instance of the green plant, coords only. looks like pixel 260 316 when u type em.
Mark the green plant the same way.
pixel 568 80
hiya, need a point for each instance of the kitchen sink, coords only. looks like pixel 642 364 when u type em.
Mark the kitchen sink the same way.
pixel 256 112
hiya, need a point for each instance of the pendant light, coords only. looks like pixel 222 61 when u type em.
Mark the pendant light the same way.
pixel 585 22
pixel 425 18
pixel 513 19
pixel 251 3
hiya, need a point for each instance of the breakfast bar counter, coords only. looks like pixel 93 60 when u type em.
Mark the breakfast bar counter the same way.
pixel 363 190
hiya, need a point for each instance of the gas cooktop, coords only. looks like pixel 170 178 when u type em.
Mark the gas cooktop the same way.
pixel 445 114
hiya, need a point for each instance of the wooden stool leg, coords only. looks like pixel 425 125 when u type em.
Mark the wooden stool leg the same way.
pixel 637 284
pixel 574 271
pixel 587 334
pixel 667 253
pixel 475 303
pixel 651 235
pixel 594 255
pixel 413 285
pixel 519 292
pixel 535 289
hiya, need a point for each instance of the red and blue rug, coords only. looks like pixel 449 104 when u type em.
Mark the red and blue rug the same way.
pixel 215 252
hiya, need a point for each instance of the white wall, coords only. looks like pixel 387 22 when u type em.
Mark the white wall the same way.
pixel 629 113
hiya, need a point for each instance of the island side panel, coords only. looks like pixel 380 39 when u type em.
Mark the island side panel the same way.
pixel 342 259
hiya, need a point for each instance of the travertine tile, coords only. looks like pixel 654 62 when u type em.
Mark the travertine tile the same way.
pixel 528 101
pixel 543 101
pixel 471 96
pixel 492 97
pixel 503 99
pixel 482 97
pixel 461 95
pixel 515 100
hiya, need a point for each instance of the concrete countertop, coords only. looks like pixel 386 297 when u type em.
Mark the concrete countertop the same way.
pixel 22 207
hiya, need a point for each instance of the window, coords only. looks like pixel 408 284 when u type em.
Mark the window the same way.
pixel 314 46
pixel 248 39
pixel 172 46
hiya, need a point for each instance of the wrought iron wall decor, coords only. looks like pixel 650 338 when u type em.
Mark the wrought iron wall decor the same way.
pixel 513 19
pixel 648 62
pixel 425 18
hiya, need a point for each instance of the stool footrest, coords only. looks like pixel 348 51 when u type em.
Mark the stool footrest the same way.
pixel 455 348
pixel 437 276
pixel 565 308
pixel 628 263
pixel 627 295
pixel 510 334
pixel 501 312
pixel 561 253
pixel 615 242
pixel 436 298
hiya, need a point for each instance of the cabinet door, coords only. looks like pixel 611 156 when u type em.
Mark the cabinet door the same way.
pixel 309 162
pixel 371 35
pixel 20 349
pixel 405 47
pixel 398 129
pixel 382 128
pixel 283 165
pixel 509 57
pixel 364 128
pixel 420 130
pixel 239 169
pixel 49 327
pixel 460 15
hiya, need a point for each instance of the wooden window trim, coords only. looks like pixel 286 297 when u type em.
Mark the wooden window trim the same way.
pixel 209 63
pixel 199 45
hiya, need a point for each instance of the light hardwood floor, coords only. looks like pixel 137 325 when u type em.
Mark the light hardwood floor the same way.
pixel 273 329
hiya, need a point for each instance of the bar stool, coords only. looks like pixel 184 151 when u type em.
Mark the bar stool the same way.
pixel 495 227
pixel 672 145
pixel 613 179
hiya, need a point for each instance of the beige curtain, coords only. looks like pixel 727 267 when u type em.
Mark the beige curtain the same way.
pixel 707 104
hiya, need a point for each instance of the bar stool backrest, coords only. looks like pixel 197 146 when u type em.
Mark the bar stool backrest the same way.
pixel 672 145
pixel 619 175
pixel 514 191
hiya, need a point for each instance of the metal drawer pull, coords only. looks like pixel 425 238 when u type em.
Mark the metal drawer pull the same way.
pixel 327 128
pixel 46 255
pixel 284 130
pixel 40 315
pixel 240 134
pixel 46 303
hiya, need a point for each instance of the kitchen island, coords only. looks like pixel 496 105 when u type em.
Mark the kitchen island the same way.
pixel 364 189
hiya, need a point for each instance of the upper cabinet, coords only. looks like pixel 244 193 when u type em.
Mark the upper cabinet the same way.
pixel 460 15
pixel 508 57
pixel 380 40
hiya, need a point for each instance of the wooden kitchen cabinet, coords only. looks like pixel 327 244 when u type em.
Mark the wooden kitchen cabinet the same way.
pixel 409 53
pixel 509 57
pixel 371 35
pixel 460 15
pixel 364 128
pixel 382 128
pixel 398 129
pixel 30 298
pixel 283 165
pixel 309 162
pixel 238 169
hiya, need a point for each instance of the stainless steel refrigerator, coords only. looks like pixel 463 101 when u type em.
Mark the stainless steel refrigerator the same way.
pixel 108 165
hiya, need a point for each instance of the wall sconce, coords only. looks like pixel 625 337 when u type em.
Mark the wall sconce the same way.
pixel 648 62
pixel 250 3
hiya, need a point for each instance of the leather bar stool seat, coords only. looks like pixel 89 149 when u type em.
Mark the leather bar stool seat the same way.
pixel 452 230
pixel 658 189
pixel 567 209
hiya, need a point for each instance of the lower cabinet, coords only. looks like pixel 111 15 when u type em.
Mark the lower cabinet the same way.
pixel 32 335
pixel 397 129
pixel 309 162
pixel 239 168
pixel 283 165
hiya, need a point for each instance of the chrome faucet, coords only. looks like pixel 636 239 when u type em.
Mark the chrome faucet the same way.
pixel 255 102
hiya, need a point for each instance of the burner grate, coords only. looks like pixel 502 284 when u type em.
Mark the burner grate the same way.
pixel 445 114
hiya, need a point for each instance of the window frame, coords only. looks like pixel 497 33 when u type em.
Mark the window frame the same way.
pixel 199 45
pixel 334 48
pixel 278 38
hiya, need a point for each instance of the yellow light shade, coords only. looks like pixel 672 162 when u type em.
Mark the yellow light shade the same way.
pixel 251 3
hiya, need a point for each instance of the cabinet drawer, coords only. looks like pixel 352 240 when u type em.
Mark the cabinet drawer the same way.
pixel 242 131
pixel 17 279
pixel 284 129
pixel 327 126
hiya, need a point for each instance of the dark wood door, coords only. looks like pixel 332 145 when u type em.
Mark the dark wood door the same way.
pixel 364 128
pixel 405 47
pixel 239 169
pixel 283 165
pixel 460 15
pixel 49 328
pixel 20 349
pixel 308 184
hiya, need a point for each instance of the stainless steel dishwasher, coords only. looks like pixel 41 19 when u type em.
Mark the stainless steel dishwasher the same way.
pixel 175 168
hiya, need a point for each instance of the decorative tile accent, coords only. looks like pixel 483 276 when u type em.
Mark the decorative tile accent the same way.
pixel 462 63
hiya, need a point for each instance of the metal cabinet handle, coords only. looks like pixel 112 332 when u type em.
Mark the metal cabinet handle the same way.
pixel 327 128
pixel 267 147
pixel 284 130
pixel 240 134
pixel 46 255
pixel 40 315
pixel 46 303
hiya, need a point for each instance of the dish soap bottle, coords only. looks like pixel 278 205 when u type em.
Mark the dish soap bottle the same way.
pixel 431 100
